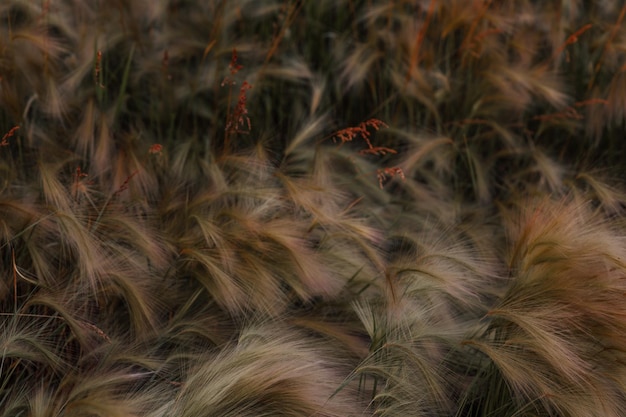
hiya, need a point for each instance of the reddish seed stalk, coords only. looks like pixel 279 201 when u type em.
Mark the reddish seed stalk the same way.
pixel 124 185
pixel 468 40
pixel 568 113
pixel 415 53
pixel 591 101
pixel 78 179
pixel 291 15
pixel 239 116
pixel 207 49
pixel 573 38
pixel 596 68
pixel 571 112
pixel 384 174
pixel 377 150
pixel 97 70
pixel 165 63
pixel 226 131
pixel 350 133
pixel 10 133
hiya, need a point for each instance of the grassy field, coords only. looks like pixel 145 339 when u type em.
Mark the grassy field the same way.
pixel 312 208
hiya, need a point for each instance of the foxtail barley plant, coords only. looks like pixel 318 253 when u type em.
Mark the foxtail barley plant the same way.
pixel 312 208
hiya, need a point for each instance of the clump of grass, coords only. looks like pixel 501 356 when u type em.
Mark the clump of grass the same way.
pixel 553 338
pixel 267 372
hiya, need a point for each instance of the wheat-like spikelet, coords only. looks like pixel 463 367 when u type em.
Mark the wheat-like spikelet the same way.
pixel 555 336
pixel 269 371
